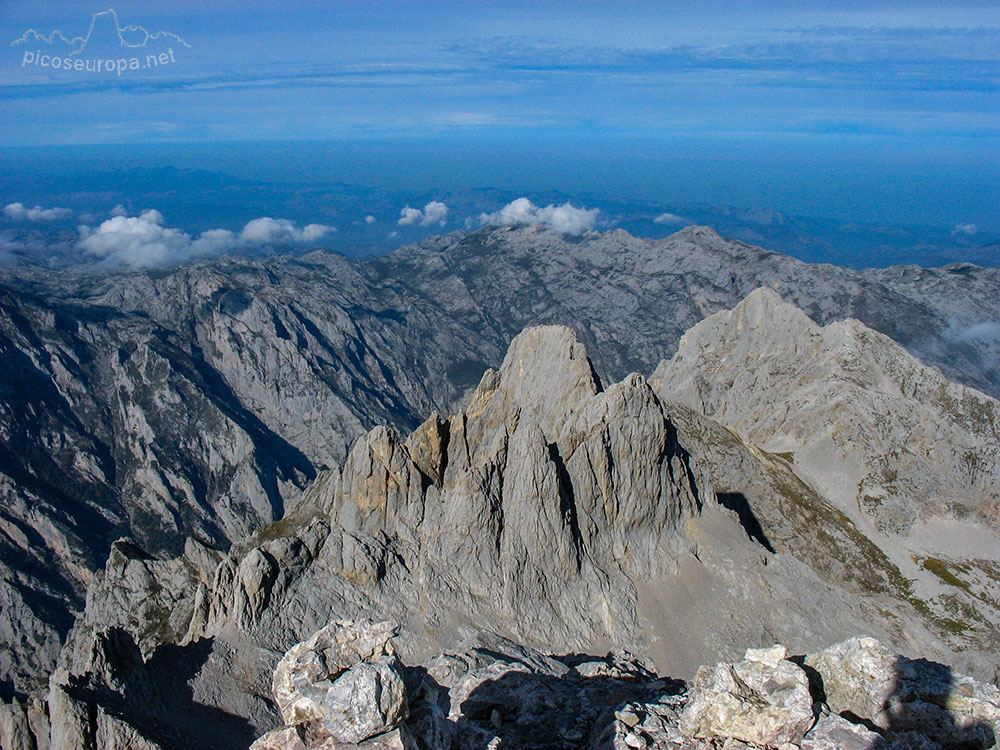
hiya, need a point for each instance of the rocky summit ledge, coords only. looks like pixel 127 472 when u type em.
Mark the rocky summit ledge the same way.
pixel 345 688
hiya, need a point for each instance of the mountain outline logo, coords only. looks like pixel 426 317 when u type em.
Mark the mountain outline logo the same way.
pixel 110 47
pixel 128 36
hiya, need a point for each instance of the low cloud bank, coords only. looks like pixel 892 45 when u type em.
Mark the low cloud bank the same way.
pixel 986 331
pixel 434 212
pixel 144 242
pixel 669 218
pixel 564 219
pixel 281 231
pixel 20 212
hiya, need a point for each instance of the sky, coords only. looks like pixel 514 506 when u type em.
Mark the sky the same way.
pixel 306 70
pixel 866 111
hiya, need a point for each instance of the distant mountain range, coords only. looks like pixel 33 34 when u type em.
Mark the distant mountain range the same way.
pixel 194 200
pixel 201 401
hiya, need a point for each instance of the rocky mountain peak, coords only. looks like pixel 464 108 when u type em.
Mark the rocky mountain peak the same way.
pixel 762 322
pixel 544 376
pixel 911 458
pixel 698 233
pixel 762 304
pixel 767 370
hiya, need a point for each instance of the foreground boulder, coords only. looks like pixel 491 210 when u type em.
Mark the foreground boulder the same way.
pixel 344 688
pixel 860 677
pixel 837 733
pixel 341 687
pixel 763 699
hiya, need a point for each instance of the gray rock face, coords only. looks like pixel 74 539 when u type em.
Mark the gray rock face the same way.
pixel 531 458
pixel 557 513
pixel 193 404
pixel 15 729
pixel 910 458
pixel 199 402
pixel 849 403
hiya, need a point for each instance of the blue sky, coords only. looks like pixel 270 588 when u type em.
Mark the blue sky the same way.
pixel 376 69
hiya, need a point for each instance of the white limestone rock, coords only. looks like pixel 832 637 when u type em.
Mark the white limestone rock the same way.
pixel 763 699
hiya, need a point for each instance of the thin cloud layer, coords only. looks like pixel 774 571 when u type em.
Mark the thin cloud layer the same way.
pixel 564 219
pixel 987 331
pixel 20 212
pixel 144 242
pixel 434 212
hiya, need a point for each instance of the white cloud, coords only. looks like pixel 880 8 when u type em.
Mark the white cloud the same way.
pixel 369 219
pixel 152 216
pixel 20 212
pixel 409 216
pixel 564 219
pixel 966 229
pixel 143 241
pixel 119 210
pixel 987 331
pixel 282 231
pixel 668 218
pixel 213 242
pixel 137 241
pixel 434 212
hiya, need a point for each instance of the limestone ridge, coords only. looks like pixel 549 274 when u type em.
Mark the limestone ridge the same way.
pixel 912 443
pixel 550 511
pixel 544 493
pixel 910 458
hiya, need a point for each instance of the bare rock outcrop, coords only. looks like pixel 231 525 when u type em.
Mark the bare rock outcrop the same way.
pixel 911 459
pixel 861 677
pixel 851 405
pixel 341 688
pixel 763 699
pixel 496 694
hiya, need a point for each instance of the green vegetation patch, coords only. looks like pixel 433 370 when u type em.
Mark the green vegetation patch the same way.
pixel 943 571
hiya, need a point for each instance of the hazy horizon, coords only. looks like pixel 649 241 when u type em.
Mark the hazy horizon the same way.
pixel 883 115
